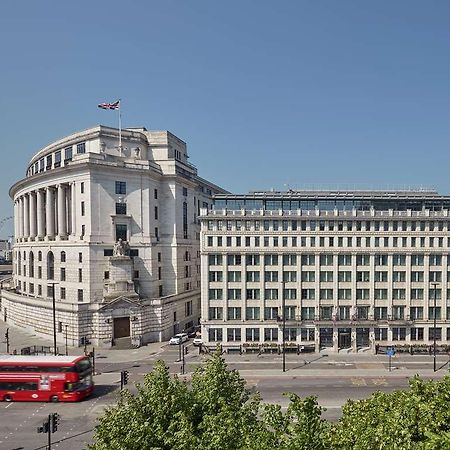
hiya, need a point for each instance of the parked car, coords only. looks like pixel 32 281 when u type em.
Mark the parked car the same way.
pixel 194 331
pixel 178 339
pixel 198 340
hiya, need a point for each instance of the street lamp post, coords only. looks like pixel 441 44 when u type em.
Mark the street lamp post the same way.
pixel 55 350
pixel 434 327
pixel 283 327
pixel 67 352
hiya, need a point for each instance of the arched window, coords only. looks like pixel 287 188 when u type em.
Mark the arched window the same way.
pixel 63 256
pixel 39 256
pixel 31 265
pixel 50 266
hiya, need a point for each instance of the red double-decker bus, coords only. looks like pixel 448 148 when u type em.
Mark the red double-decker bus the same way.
pixel 45 378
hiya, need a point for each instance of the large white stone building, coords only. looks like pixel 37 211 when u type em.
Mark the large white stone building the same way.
pixel 354 269
pixel 80 196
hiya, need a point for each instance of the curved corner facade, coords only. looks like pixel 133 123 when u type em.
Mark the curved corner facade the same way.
pixel 80 196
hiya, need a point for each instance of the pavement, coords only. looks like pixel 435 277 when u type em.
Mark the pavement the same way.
pixel 333 378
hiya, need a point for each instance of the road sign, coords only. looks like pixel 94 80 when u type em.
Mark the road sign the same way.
pixel 390 352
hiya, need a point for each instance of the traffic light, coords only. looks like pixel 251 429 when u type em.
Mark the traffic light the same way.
pixel 125 376
pixel 55 422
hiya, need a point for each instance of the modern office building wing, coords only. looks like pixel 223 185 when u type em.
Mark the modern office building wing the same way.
pixel 353 269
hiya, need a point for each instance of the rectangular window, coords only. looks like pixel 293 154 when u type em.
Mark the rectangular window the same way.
pixel 381 276
pixel 363 276
pixel 345 260
pixel 63 293
pixel 307 334
pixel 252 313
pixel 215 335
pixel 80 295
pixel 185 220
pixel 381 313
pixel 308 294
pixel 270 334
pixel 326 260
pixel 58 159
pixel 234 294
pixel 252 334
pixel 398 334
pixel 82 209
pixel 398 312
pixel 121 232
pixel 215 313
pixel 345 276
pixel 81 148
pixel 380 294
pixel 156 213
pixel 399 276
pixel 68 154
pixel 417 334
pixel 215 294
pixel 80 275
pixel 234 313
pixel 121 208
pixel 325 312
pixel 381 334
pixel 155 194
pixel 308 260
pixel 233 334
pixel 416 312
pixel 121 187
pixel 271 294
pixel 63 274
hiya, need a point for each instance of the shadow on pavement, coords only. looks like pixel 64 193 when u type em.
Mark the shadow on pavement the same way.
pixel 65 439
pixel 101 390
pixel 307 363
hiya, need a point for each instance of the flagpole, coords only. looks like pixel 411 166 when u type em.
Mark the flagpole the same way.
pixel 120 125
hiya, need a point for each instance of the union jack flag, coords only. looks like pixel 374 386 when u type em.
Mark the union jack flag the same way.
pixel 114 105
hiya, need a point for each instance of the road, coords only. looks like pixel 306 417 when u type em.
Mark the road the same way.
pixel 333 379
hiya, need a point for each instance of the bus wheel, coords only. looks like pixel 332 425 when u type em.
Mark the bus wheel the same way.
pixel 7 398
pixel 54 399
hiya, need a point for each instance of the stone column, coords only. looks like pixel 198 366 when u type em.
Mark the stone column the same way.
pixel 50 212
pixel 20 217
pixel 73 209
pixel 26 215
pixel 62 224
pixel 33 214
pixel 40 214
pixel 16 220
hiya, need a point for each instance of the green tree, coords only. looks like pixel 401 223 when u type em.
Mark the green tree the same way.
pixel 301 427
pixel 216 412
pixel 401 420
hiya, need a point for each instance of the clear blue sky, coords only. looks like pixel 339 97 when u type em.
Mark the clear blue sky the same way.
pixel 265 93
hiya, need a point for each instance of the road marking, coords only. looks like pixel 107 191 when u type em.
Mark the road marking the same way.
pixel 8 405
pixel 380 382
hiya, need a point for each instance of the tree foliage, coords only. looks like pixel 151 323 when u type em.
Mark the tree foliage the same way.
pixel 217 411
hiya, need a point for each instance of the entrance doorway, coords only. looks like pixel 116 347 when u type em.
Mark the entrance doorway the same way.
pixel 326 337
pixel 362 337
pixel 344 337
pixel 121 327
